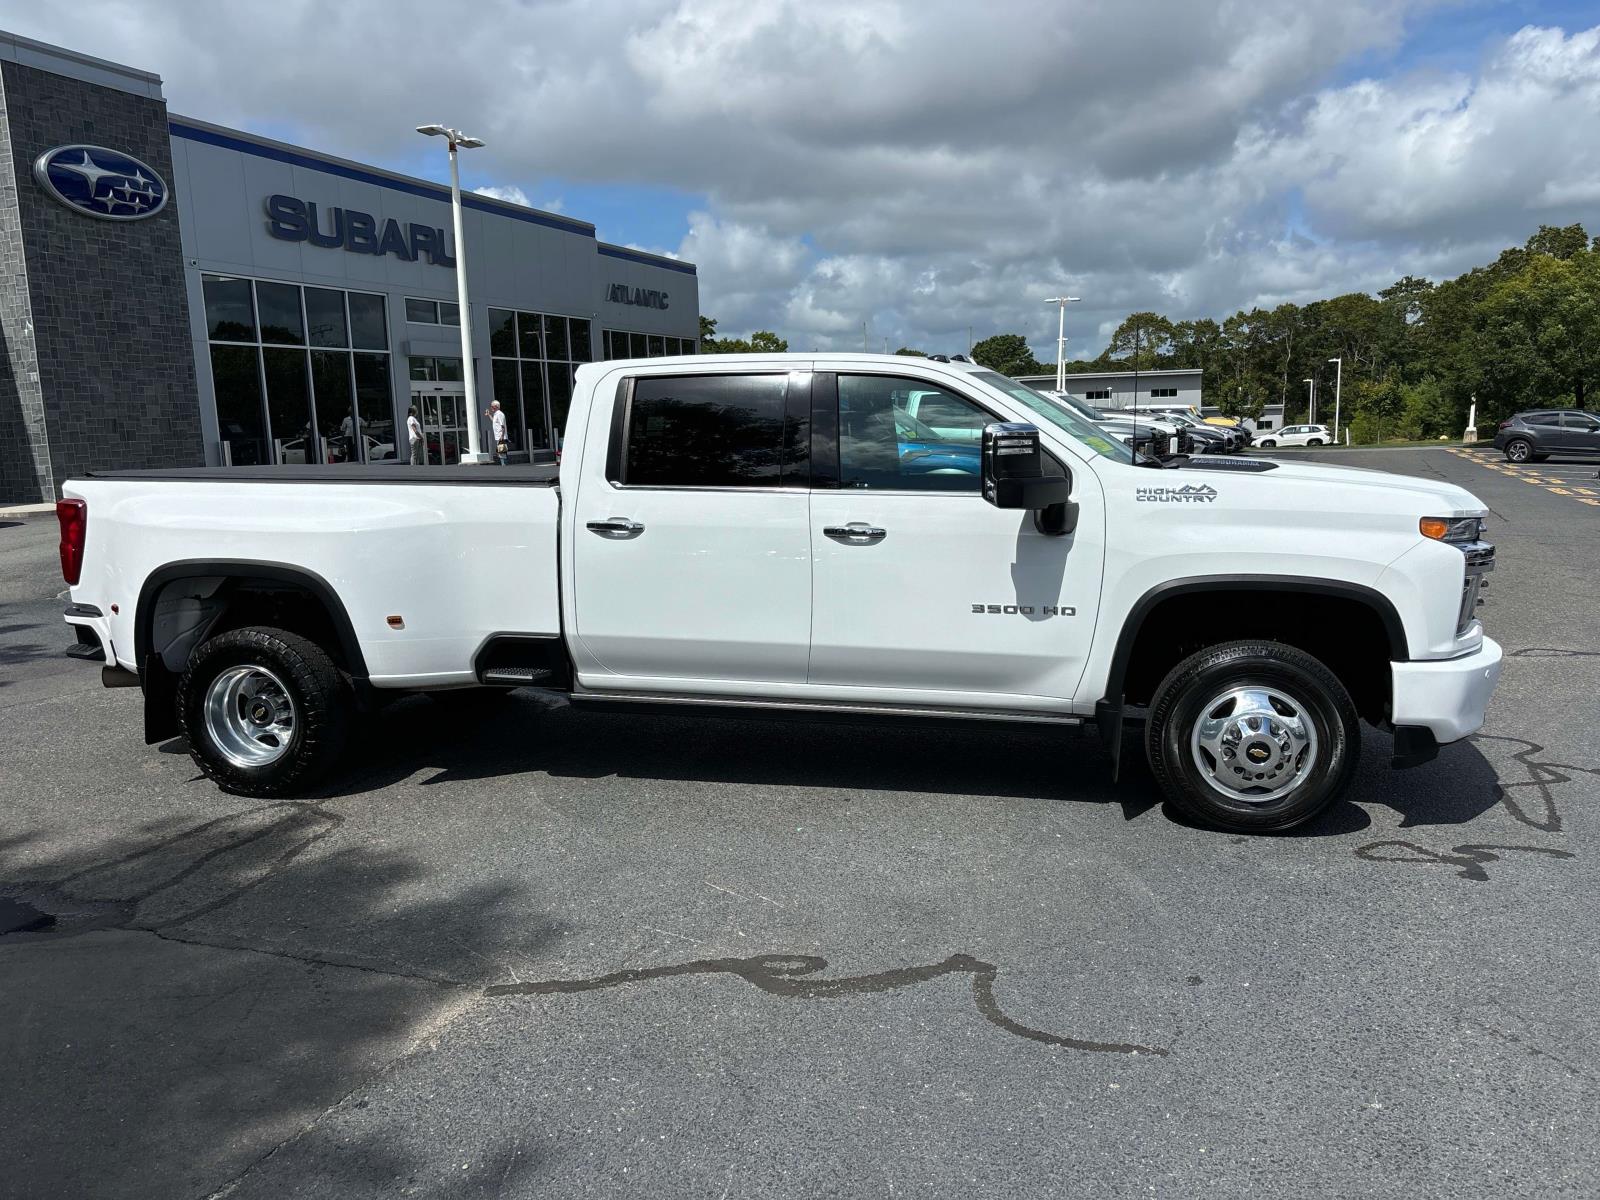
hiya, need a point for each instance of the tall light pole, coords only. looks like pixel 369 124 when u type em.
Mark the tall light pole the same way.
pixel 1338 394
pixel 468 380
pixel 1061 339
pixel 1311 419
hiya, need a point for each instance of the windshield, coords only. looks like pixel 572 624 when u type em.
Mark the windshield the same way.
pixel 1055 413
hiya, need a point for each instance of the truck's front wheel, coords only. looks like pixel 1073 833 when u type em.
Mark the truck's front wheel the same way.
pixel 264 710
pixel 1252 736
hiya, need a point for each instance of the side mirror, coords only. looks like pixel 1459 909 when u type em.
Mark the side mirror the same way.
pixel 1014 477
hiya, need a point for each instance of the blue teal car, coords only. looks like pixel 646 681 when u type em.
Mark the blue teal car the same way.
pixel 924 452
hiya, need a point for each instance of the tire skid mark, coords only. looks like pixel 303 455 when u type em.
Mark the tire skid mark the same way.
pixel 1467 859
pixel 788 975
pixel 1542 778
pixel 305 823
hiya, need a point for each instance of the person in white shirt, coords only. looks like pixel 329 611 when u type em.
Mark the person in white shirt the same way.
pixel 414 433
pixel 497 422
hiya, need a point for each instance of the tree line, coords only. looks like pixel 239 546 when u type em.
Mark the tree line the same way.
pixel 1521 332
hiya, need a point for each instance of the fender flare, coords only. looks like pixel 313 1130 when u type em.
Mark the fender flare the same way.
pixel 244 568
pixel 1399 649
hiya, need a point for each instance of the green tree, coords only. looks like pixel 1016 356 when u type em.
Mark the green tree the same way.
pixel 908 352
pixel 1142 341
pixel 1541 330
pixel 763 341
pixel 1006 353
pixel 708 333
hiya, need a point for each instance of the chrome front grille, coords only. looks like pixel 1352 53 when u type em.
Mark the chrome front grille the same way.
pixel 1480 561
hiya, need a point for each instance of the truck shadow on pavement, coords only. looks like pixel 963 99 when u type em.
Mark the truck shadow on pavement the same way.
pixel 524 732
pixel 158 1016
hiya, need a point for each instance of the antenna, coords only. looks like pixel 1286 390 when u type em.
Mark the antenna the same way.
pixel 1133 447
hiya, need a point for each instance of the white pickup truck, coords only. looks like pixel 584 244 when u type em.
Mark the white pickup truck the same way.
pixel 779 533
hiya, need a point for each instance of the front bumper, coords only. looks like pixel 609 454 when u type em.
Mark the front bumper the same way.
pixel 1446 698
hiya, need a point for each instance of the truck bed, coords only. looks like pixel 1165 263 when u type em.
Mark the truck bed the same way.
pixel 523 475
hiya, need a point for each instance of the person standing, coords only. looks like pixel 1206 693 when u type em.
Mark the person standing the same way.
pixel 497 423
pixel 414 434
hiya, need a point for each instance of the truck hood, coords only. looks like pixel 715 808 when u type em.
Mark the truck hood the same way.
pixel 1432 497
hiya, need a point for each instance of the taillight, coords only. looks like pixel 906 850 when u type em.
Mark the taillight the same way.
pixel 73 517
pixel 1505 424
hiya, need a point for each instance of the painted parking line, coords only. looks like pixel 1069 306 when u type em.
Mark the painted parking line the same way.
pixel 1575 481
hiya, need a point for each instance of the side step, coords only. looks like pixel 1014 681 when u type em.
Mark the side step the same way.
pixel 520 676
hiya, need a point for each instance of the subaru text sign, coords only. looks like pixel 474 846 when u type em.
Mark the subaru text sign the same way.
pixel 291 219
pixel 102 183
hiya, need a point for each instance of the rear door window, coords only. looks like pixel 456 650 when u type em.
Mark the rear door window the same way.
pixel 713 431
pixel 1543 418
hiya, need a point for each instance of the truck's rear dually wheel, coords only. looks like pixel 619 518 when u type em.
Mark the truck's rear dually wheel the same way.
pixel 265 711
pixel 1253 736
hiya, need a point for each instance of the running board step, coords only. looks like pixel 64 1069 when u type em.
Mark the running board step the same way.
pixel 519 676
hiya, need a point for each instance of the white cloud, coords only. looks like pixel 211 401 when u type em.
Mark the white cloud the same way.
pixel 923 165
pixel 510 194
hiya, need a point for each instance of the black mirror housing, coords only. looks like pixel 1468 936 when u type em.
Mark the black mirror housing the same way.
pixel 1013 469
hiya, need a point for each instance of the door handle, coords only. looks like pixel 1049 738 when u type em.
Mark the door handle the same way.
pixel 615 527
pixel 856 532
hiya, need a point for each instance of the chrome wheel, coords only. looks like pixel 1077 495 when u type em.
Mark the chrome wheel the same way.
pixel 1253 743
pixel 250 716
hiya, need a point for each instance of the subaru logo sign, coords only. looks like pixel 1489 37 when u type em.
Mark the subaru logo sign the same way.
pixel 104 183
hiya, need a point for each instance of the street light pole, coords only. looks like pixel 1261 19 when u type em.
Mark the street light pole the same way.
pixel 1061 339
pixel 1311 418
pixel 456 138
pixel 1338 394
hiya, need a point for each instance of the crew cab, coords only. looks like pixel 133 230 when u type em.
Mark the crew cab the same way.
pixel 754 533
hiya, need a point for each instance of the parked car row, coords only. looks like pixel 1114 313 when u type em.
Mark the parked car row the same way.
pixel 1185 433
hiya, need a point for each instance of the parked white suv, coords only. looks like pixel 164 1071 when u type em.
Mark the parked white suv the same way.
pixel 734 533
pixel 1295 435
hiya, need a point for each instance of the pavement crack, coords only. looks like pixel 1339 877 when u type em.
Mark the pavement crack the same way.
pixel 310 960
pixel 790 975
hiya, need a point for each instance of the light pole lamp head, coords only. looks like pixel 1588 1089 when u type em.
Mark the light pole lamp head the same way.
pixel 457 138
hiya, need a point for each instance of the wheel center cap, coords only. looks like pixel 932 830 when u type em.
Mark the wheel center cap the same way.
pixel 1257 752
pixel 260 713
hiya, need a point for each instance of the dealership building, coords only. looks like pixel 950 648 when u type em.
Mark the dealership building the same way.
pixel 175 293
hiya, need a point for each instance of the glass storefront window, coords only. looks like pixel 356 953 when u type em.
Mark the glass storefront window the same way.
pixel 375 403
pixel 236 379
pixel 555 337
pixel 530 341
pixel 230 309
pixel 289 406
pixel 533 405
pixel 581 349
pixel 279 306
pixel 449 313
pixel 502 333
pixel 334 396
pixel 325 317
pixel 369 324
pixel 638 346
pixel 422 312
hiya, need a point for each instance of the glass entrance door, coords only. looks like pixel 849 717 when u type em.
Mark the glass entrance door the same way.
pixel 441 408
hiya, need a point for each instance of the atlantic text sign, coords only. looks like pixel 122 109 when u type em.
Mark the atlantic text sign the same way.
pixel 621 293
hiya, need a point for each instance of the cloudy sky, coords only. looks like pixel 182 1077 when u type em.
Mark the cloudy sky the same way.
pixel 931 165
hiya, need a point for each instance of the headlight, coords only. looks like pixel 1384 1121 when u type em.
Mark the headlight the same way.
pixel 1459 530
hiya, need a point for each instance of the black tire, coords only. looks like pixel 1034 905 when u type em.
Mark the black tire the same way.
pixel 1316 697
pixel 318 710
pixel 1313 441
pixel 1519 450
pixel 1268 444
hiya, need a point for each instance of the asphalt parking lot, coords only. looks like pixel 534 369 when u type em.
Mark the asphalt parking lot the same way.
pixel 564 954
